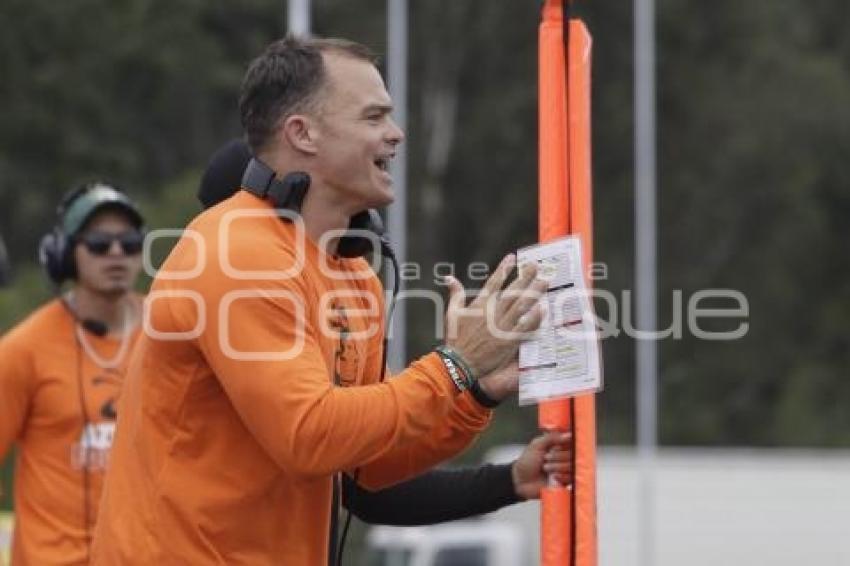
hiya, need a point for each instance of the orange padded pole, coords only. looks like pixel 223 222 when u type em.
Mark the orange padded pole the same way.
pixel 568 521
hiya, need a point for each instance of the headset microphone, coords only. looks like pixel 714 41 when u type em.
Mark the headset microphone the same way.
pixel 96 327
pixel 90 325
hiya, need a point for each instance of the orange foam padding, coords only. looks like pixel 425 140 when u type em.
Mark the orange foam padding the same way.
pixel 565 207
pixel 555 541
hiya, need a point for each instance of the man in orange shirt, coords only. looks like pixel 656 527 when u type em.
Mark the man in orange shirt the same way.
pixel 437 495
pixel 259 376
pixel 60 373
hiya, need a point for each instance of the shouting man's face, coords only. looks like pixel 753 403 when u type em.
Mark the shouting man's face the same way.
pixel 356 136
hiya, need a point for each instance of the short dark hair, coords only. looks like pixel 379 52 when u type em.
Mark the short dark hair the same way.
pixel 284 80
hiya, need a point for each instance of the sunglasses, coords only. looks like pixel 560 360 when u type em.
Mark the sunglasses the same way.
pixel 99 243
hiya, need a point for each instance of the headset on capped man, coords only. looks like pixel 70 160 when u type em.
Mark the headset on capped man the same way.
pixel 56 249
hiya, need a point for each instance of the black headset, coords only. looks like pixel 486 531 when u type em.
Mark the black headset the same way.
pixel 56 249
pixel 288 193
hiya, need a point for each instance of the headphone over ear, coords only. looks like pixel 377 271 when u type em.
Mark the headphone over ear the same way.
pixel 260 180
pixel 56 249
pixel 55 253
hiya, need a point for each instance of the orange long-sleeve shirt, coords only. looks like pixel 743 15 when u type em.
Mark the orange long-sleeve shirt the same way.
pixel 231 427
pixel 43 367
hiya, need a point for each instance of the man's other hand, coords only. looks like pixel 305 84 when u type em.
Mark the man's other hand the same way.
pixel 550 453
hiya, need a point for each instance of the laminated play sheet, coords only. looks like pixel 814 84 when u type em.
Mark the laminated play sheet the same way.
pixel 562 358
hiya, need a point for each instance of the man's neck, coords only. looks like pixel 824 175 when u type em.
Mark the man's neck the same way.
pixel 116 311
pixel 322 210
pixel 322 218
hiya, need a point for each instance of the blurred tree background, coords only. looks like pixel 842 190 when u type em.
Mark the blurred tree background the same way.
pixel 754 186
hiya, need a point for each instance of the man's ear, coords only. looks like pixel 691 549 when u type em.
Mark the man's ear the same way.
pixel 301 133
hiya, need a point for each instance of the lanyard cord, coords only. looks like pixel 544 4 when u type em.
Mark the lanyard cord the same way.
pixel 84 449
pixel 388 252
pixel 91 352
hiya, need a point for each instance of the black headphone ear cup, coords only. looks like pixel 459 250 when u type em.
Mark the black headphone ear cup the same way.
pixel 289 193
pixel 356 244
pixel 277 194
pixel 69 263
pixel 55 253
pixel 56 257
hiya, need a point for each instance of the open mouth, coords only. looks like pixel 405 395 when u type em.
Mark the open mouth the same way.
pixel 383 163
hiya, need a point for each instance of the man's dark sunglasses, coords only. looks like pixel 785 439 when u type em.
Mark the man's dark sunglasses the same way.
pixel 99 243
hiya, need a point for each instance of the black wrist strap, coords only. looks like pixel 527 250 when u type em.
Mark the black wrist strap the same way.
pixel 482 398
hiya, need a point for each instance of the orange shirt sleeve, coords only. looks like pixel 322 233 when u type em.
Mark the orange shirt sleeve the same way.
pixel 290 406
pixel 464 421
pixel 16 390
pixel 454 434
pixel 287 402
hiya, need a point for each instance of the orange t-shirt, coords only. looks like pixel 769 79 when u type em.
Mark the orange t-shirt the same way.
pixel 43 364
pixel 231 427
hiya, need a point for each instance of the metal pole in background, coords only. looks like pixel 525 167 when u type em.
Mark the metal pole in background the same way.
pixel 646 271
pixel 397 32
pixel 298 17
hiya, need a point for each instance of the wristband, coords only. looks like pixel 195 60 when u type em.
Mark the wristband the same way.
pixel 481 397
pixel 462 365
pixel 460 382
